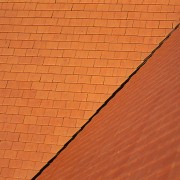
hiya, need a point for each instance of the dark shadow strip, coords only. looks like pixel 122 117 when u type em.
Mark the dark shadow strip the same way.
pixel 121 86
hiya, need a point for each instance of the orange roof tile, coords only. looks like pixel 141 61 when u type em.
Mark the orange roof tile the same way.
pixel 59 61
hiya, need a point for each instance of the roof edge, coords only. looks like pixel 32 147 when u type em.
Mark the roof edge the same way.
pixel 105 103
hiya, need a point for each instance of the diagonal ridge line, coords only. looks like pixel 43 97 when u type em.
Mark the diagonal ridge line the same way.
pixel 105 103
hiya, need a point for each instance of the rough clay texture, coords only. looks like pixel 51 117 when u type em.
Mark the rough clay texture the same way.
pixel 59 61
pixel 137 134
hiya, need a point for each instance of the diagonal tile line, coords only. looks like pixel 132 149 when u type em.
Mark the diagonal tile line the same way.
pixel 106 102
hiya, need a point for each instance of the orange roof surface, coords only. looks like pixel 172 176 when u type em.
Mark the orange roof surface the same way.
pixel 136 134
pixel 60 60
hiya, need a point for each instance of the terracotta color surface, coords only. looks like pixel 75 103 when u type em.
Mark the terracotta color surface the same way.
pixel 137 134
pixel 59 61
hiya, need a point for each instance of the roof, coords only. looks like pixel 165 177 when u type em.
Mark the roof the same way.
pixel 60 60
pixel 136 134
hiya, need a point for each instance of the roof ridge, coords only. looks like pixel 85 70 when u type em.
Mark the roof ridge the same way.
pixel 105 103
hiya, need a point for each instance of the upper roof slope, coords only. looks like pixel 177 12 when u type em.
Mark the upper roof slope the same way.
pixel 137 134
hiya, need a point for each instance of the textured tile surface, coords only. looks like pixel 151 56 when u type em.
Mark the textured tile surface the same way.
pixel 59 61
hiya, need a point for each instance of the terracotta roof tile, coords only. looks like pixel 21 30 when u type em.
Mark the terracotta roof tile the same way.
pixel 60 60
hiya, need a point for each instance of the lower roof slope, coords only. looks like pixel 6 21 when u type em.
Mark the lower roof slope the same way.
pixel 137 134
